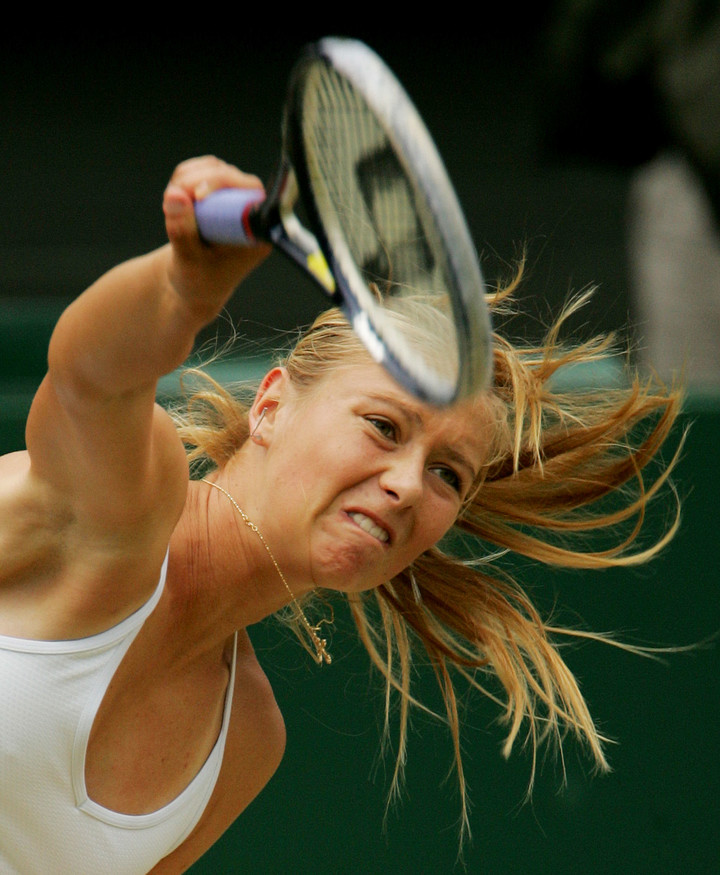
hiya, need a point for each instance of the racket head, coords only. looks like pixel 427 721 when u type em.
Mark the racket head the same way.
pixel 383 209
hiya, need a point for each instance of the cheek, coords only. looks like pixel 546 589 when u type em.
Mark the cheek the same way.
pixel 436 522
pixel 438 518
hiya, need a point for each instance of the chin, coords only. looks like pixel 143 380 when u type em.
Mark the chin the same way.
pixel 356 587
pixel 346 578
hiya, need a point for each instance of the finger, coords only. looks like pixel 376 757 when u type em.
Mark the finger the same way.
pixel 178 207
pixel 201 176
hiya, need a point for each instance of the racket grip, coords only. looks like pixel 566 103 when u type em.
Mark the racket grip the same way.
pixel 223 216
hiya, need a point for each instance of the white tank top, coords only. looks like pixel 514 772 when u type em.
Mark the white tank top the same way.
pixel 50 692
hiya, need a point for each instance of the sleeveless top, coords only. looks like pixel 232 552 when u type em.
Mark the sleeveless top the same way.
pixel 50 692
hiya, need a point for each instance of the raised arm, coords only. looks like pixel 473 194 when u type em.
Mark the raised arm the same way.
pixel 95 436
pixel 139 321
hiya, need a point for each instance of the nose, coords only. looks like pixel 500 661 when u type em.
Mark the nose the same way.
pixel 402 478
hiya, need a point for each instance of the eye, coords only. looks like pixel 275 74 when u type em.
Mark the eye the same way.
pixel 449 476
pixel 384 426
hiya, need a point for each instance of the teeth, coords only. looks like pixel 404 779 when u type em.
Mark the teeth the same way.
pixel 367 525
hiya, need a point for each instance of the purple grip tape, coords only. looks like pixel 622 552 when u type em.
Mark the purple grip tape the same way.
pixel 222 217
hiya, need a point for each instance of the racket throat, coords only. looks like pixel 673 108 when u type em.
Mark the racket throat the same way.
pixel 277 222
pixel 301 245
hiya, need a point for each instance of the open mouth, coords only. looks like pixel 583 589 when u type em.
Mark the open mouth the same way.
pixel 370 526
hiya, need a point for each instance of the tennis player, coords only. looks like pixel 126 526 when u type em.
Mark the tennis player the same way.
pixel 136 722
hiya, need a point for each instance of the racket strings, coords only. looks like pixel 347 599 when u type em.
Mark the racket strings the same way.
pixel 339 140
pixel 380 225
pixel 368 192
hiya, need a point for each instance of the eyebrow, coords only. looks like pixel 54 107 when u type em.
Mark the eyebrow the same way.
pixel 398 402
pixel 461 459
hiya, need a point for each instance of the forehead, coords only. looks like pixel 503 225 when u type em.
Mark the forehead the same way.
pixel 369 382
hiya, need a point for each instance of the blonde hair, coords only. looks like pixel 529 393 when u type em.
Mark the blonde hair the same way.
pixel 557 457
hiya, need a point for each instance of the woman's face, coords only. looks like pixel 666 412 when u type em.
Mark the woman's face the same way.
pixel 359 478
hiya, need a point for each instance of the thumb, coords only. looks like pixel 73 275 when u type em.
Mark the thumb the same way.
pixel 179 211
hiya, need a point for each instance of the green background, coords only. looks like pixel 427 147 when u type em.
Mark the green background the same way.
pixel 92 131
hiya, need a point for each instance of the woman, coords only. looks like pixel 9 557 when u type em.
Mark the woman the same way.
pixel 137 723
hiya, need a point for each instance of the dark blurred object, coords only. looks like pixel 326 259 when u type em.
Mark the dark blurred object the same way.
pixel 638 84
pixel 627 80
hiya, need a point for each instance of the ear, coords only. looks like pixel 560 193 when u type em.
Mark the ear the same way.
pixel 261 418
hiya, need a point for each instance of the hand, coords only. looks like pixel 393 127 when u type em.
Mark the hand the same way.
pixel 200 272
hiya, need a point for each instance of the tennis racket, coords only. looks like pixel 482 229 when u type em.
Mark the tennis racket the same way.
pixel 382 232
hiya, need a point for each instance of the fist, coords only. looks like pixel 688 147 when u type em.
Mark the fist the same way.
pixel 197 267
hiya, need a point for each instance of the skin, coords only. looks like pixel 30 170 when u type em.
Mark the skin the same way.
pixel 365 477
pixel 381 476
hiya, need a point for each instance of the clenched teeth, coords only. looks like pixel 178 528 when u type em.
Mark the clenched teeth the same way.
pixel 369 526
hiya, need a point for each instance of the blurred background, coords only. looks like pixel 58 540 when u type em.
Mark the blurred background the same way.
pixel 586 135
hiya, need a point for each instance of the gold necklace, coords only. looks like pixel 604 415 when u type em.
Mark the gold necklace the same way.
pixel 320 644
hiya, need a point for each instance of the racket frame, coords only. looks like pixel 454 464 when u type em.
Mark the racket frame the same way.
pixel 274 219
pixel 420 158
